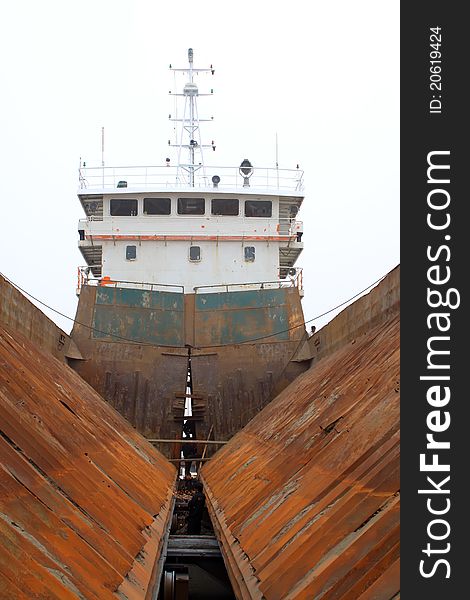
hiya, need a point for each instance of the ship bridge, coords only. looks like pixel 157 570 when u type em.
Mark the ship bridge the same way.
pixel 236 228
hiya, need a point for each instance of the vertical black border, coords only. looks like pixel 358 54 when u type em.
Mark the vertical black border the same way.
pixel 421 133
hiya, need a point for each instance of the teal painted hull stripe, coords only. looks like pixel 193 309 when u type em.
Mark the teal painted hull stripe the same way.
pixel 140 315
pixel 156 317
pixel 247 299
pixel 140 298
pixel 237 317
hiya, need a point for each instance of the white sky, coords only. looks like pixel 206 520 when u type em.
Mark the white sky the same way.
pixel 323 75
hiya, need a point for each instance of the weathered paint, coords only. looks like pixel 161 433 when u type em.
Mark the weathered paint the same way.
pixel 135 298
pixel 146 382
pixel 162 242
pixel 305 499
pixel 376 307
pixel 17 312
pixel 84 499
pixel 152 317
pixel 235 383
pixel 237 317
pixel 157 317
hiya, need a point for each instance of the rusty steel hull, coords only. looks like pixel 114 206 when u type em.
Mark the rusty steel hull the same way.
pixel 18 313
pixel 84 500
pixel 376 307
pixel 305 500
pixel 136 349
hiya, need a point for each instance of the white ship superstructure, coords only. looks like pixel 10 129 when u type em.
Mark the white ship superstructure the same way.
pixel 190 225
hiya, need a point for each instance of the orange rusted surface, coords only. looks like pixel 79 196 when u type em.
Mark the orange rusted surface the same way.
pixel 84 499
pixel 305 499
pixel 18 313
pixel 376 307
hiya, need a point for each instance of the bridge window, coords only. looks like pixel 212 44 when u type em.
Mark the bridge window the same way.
pixel 157 206
pixel 258 208
pixel 194 253
pixel 225 207
pixel 191 206
pixel 249 253
pixel 131 252
pixel 123 207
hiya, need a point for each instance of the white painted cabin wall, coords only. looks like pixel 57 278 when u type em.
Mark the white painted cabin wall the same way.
pixel 221 263
pixel 175 224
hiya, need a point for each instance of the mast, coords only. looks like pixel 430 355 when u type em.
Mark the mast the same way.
pixel 191 91
pixel 190 123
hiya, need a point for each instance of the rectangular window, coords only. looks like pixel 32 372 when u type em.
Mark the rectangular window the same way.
pixel 191 206
pixel 123 207
pixel 258 208
pixel 131 252
pixel 194 253
pixel 157 206
pixel 225 206
pixel 249 253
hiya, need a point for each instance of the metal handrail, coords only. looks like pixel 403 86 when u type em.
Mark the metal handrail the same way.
pixel 84 279
pixel 103 177
pixel 280 283
pixel 136 284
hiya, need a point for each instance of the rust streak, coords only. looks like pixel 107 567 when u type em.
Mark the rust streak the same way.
pixel 305 498
pixel 84 499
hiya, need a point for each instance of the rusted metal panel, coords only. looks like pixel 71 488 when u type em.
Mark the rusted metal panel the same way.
pixel 151 317
pixel 146 382
pixel 237 317
pixel 17 312
pixel 141 381
pixel 237 382
pixel 84 500
pixel 378 306
pixel 305 499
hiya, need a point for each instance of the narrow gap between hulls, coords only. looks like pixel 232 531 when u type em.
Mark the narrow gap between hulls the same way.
pixel 194 568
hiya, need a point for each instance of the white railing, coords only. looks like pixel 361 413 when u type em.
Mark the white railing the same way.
pixel 291 227
pixel 293 280
pixel 145 177
pixel 84 278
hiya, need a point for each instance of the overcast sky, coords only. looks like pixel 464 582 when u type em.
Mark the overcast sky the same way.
pixel 324 76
